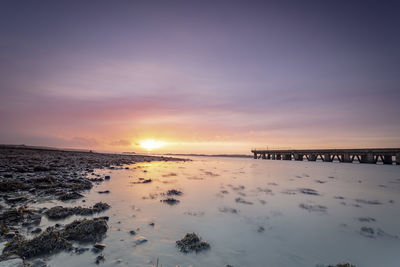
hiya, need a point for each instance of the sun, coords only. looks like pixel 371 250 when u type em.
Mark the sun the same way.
pixel 151 144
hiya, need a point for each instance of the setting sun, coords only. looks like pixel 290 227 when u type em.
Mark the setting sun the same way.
pixel 151 144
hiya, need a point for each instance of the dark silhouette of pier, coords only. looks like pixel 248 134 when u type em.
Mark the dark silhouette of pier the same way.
pixel 367 155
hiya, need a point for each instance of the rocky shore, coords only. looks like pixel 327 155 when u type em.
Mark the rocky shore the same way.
pixel 29 174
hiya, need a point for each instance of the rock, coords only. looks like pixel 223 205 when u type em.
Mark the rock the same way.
pixel 308 191
pixel 342 265
pixel 367 231
pixel 15 216
pixel 192 242
pixel 132 232
pixel 174 192
pixel 12 263
pixel 40 169
pixel 69 196
pixel 60 212
pixel 107 177
pixel 99 245
pixel 86 230
pixel 104 192
pixel 228 210
pixel 317 208
pixel 369 202
pixel 140 240
pixel 170 201
pixel 45 243
pixel 15 199
pixel 243 201
pixel 36 231
pixel 12 186
pixel 100 258
pixel 260 229
pixel 80 250
pixel 34 219
pixel 3 229
pixel 142 181
pixel 366 219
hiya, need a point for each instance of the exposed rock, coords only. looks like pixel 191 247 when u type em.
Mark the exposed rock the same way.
pixel 309 191
pixel 12 200
pixel 367 231
pixel 228 210
pixel 45 243
pixel 192 242
pixel 342 265
pixel 140 240
pixel 40 169
pixel 3 229
pixel 16 215
pixel 36 231
pixel 86 230
pixel 369 202
pixel 60 212
pixel 170 201
pixel 174 192
pixel 12 186
pixel 317 208
pixel 243 201
pixel 366 219
pixel 260 229
pixel 69 196
pixel 100 258
pixel 142 181
pixel 99 245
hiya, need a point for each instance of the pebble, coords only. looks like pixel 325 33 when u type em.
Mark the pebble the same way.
pixel 140 240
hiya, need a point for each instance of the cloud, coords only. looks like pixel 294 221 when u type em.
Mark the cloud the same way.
pixel 121 142
pixel 84 141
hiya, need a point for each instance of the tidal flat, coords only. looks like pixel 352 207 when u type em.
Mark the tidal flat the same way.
pixel 208 211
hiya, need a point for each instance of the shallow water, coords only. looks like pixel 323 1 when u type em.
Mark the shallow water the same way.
pixel 252 213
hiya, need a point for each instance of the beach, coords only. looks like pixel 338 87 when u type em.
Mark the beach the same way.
pixel 244 212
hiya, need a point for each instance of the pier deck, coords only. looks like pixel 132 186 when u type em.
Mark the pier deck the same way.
pixel 366 155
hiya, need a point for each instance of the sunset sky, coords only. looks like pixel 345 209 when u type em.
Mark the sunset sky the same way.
pixel 200 76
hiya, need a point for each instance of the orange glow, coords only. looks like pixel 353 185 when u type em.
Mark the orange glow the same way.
pixel 151 144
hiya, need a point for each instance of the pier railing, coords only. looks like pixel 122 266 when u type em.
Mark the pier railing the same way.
pixel 362 155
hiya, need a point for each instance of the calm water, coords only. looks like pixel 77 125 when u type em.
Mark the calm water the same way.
pixel 277 221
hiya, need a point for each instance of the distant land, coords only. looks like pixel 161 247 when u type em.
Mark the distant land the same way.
pixel 207 155
pixel 43 148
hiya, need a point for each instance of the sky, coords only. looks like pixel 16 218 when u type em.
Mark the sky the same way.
pixel 200 76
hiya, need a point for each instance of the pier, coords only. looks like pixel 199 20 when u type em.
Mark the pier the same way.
pixel 367 155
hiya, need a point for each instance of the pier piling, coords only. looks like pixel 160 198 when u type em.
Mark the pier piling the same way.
pixel 368 155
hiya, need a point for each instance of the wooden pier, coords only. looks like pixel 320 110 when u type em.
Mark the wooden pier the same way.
pixel 367 155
